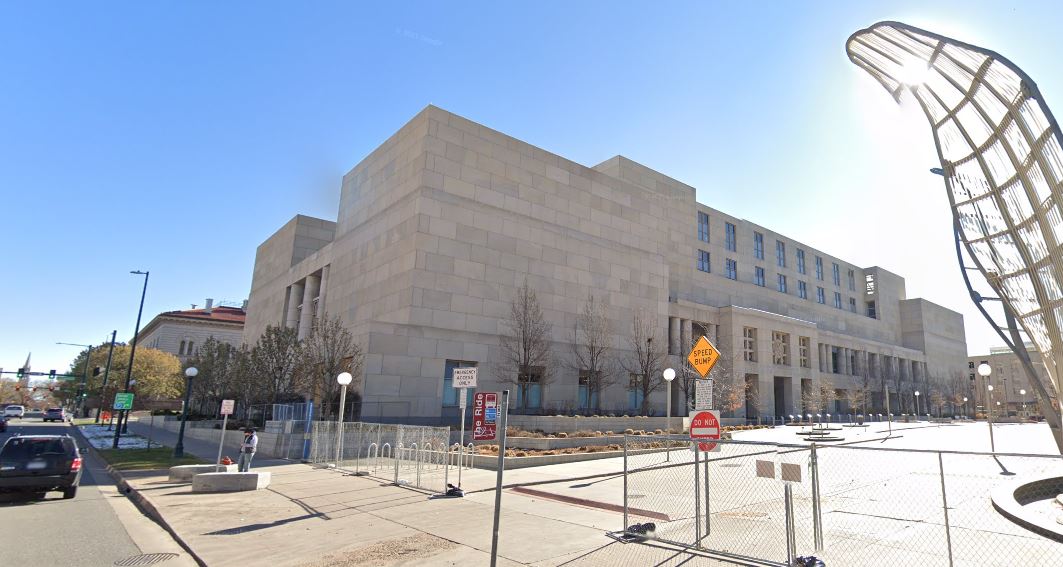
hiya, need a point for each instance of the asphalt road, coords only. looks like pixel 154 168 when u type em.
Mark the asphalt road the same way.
pixel 84 531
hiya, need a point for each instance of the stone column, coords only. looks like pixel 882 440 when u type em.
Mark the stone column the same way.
pixel 710 328
pixel 673 335
pixel 847 362
pixel 322 293
pixel 306 317
pixel 686 328
pixel 822 357
pixel 295 297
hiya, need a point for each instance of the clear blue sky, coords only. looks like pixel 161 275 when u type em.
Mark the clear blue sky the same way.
pixel 176 136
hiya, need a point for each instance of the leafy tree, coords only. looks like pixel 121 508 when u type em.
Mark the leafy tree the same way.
pixel 215 361
pixel 525 345
pixel 273 362
pixel 157 374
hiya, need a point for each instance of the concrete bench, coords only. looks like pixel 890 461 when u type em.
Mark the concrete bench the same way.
pixel 230 481
pixel 184 473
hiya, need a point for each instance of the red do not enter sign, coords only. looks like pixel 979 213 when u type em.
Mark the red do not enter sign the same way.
pixel 704 429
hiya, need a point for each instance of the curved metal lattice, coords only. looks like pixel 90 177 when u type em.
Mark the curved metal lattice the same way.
pixel 1002 159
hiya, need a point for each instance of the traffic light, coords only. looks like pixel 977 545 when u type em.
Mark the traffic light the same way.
pixel 20 372
pixel 96 371
pixel 51 375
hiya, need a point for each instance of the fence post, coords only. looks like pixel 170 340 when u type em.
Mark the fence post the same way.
pixel 817 512
pixel 788 507
pixel 945 507
pixel 708 520
pixel 625 483
pixel 697 498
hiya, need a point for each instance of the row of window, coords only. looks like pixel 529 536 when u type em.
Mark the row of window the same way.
pixel 704 264
pixel 186 348
pixel 780 252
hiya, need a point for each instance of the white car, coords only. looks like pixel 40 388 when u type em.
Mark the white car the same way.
pixel 15 411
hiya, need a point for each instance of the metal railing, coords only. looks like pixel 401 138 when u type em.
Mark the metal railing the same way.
pixel 848 505
pixel 409 455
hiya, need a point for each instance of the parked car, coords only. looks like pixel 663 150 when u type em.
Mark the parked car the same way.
pixel 55 414
pixel 15 411
pixel 3 424
pixel 39 464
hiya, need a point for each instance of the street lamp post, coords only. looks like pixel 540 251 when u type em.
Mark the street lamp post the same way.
pixel 179 448
pixel 343 379
pixel 965 406
pixel 984 370
pixel 669 375
pixel 917 406
pixel 1023 394
pixel 123 419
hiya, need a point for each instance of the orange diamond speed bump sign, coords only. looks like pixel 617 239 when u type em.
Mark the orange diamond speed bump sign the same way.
pixel 703 356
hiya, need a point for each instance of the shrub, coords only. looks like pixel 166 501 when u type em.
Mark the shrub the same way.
pixel 629 432
pixel 609 433
pixel 520 454
pixel 562 435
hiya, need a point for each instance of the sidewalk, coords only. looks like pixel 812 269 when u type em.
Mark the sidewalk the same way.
pixel 324 517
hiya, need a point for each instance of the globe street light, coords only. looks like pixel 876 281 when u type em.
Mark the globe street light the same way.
pixel 179 448
pixel 1023 394
pixel 984 370
pixel 917 405
pixel 669 375
pixel 343 379
pixel 965 406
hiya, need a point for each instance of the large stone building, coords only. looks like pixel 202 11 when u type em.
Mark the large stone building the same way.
pixel 181 333
pixel 439 226
pixel 1011 386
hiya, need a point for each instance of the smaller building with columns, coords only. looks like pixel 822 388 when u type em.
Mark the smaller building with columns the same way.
pixel 182 333
pixel 439 226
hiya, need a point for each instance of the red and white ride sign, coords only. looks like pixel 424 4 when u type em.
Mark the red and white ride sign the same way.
pixel 705 425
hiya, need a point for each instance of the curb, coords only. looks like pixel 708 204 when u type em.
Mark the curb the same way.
pixel 139 500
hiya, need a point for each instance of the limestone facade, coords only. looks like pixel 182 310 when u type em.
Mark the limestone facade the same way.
pixel 441 224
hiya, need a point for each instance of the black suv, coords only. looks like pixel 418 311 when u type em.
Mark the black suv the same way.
pixel 40 463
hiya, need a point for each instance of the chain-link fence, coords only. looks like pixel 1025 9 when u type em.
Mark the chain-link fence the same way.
pixel 409 455
pixel 769 503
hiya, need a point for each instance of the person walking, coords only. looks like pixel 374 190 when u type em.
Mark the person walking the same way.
pixel 247 449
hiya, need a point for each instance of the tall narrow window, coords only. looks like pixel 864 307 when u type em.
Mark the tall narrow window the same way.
pixel 836 273
pixel 802 350
pixel 852 304
pixel 634 392
pixel 758 245
pixel 188 350
pixel 800 261
pixel 871 310
pixel 802 290
pixel 819 268
pixel 852 280
pixel 780 253
pixel 749 344
pixel 181 349
pixel 703 227
pixel 837 300
pixel 782 283
pixel 821 296
pixel 780 348
pixel 451 394
pixel 732 243
pixel 530 389
pixel 703 261
pixel 758 276
pixel 588 398
pixel 732 269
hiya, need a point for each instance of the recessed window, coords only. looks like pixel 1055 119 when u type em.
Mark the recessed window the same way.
pixel 588 394
pixel 836 273
pixel 703 261
pixel 800 261
pixel 732 243
pixel 852 280
pixel 703 227
pixel 758 245
pixel 181 349
pixel 758 276
pixel 852 304
pixel 819 268
pixel 635 394
pixel 837 300
pixel 732 269
pixel 803 350
pixel 821 296
pixel 802 290
pixel 780 253
pixel 749 344
pixel 530 388
pixel 781 283
pixel 871 310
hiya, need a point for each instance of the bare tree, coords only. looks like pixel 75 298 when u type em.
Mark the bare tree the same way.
pixel 827 395
pixel 273 362
pixel 244 385
pixel 215 362
pixel 525 343
pixel 856 396
pixel 329 350
pixel 592 338
pixel 648 355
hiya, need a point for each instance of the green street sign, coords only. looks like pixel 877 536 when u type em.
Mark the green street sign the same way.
pixel 123 401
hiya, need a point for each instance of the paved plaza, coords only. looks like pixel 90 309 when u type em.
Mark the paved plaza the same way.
pixel 879 507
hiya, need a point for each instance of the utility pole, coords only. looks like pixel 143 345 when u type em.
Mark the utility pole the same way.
pixel 123 423
pixel 106 372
